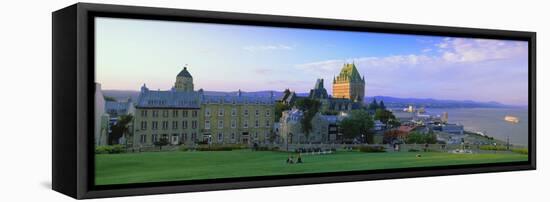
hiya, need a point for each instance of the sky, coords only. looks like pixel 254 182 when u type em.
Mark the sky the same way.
pixel 130 53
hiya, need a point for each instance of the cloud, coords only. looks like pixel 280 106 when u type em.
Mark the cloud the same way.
pixel 257 48
pixel 479 50
pixel 454 68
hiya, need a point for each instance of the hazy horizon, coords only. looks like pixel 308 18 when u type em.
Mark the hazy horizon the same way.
pixel 224 58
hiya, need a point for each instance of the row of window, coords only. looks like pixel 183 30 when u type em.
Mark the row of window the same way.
pixel 166 113
pixel 155 137
pixel 165 126
pixel 184 137
pixel 206 101
pixel 221 112
pixel 207 124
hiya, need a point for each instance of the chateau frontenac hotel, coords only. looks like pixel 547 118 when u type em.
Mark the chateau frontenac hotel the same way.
pixel 183 115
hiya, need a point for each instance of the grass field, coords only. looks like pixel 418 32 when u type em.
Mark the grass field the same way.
pixel 175 166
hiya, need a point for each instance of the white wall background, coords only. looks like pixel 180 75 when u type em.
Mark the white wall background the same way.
pixel 25 90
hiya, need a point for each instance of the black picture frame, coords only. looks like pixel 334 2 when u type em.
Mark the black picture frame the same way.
pixel 73 90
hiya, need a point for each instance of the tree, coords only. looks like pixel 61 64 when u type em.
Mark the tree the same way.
pixel 163 141
pixel 358 123
pixel 310 107
pixel 383 115
pixel 420 138
pixel 279 108
pixel 386 117
pixel 382 106
pixel 121 128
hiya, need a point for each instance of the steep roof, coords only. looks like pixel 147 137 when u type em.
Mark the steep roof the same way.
pixel 168 99
pixel 177 99
pixel 349 73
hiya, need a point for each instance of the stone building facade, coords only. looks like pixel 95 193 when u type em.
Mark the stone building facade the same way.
pixel 185 116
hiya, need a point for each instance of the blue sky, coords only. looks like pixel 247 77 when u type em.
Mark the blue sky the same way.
pixel 130 53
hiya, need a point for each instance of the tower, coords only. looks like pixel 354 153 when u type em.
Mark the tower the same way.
pixel 349 84
pixel 184 81
pixel 319 91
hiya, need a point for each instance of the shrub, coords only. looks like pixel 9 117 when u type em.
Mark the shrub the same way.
pixel 220 147
pixel 109 149
pixel 521 150
pixel 414 150
pixel 493 148
pixel 372 149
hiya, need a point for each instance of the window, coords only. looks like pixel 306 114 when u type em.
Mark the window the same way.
pixel 193 137
pixel 246 112
pixel 233 123
pixel 144 125
pixel 220 137
pixel 256 124
pixel 234 111
pixel 165 113
pixel 144 113
pixel 174 124
pixel 256 135
pixel 194 124
pixel 155 113
pixel 207 112
pixel 143 139
pixel 267 123
pixel 175 138
pixel 206 124
pixel 221 112
pixel 257 112
pixel 154 138
pixel 175 113
pixel 184 124
pixel 164 125
pixel 184 137
pixel 155 125
pixel 220 123
pixel 233 136
pixel 245 124
pixel 194 113
pixel 267 112
pixel 185 113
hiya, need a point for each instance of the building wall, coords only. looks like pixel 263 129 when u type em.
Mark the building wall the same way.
pixel 101 126
pixel 179 125
pixel 236 123
pixel 341 90
pixel 291 130
pixel 348 90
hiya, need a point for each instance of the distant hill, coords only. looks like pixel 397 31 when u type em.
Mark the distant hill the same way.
pixel 392 102
pixel 433 103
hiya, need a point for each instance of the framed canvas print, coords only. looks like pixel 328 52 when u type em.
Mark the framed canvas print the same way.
pixel 155 100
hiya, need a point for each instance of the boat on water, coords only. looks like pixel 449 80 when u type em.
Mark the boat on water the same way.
pixel 511 119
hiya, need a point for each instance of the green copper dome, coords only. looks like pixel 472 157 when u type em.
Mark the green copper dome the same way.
pixel 185 73
pixel 349 73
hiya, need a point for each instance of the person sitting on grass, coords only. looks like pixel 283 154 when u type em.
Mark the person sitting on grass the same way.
pixel 289 159
pixel 299 160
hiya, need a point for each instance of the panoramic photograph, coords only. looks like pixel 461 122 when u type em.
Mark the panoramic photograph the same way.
pixel 182 101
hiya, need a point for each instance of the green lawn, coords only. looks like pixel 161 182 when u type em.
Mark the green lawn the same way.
pixel 177 165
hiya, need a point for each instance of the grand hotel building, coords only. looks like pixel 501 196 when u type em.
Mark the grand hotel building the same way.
pixel 185 116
